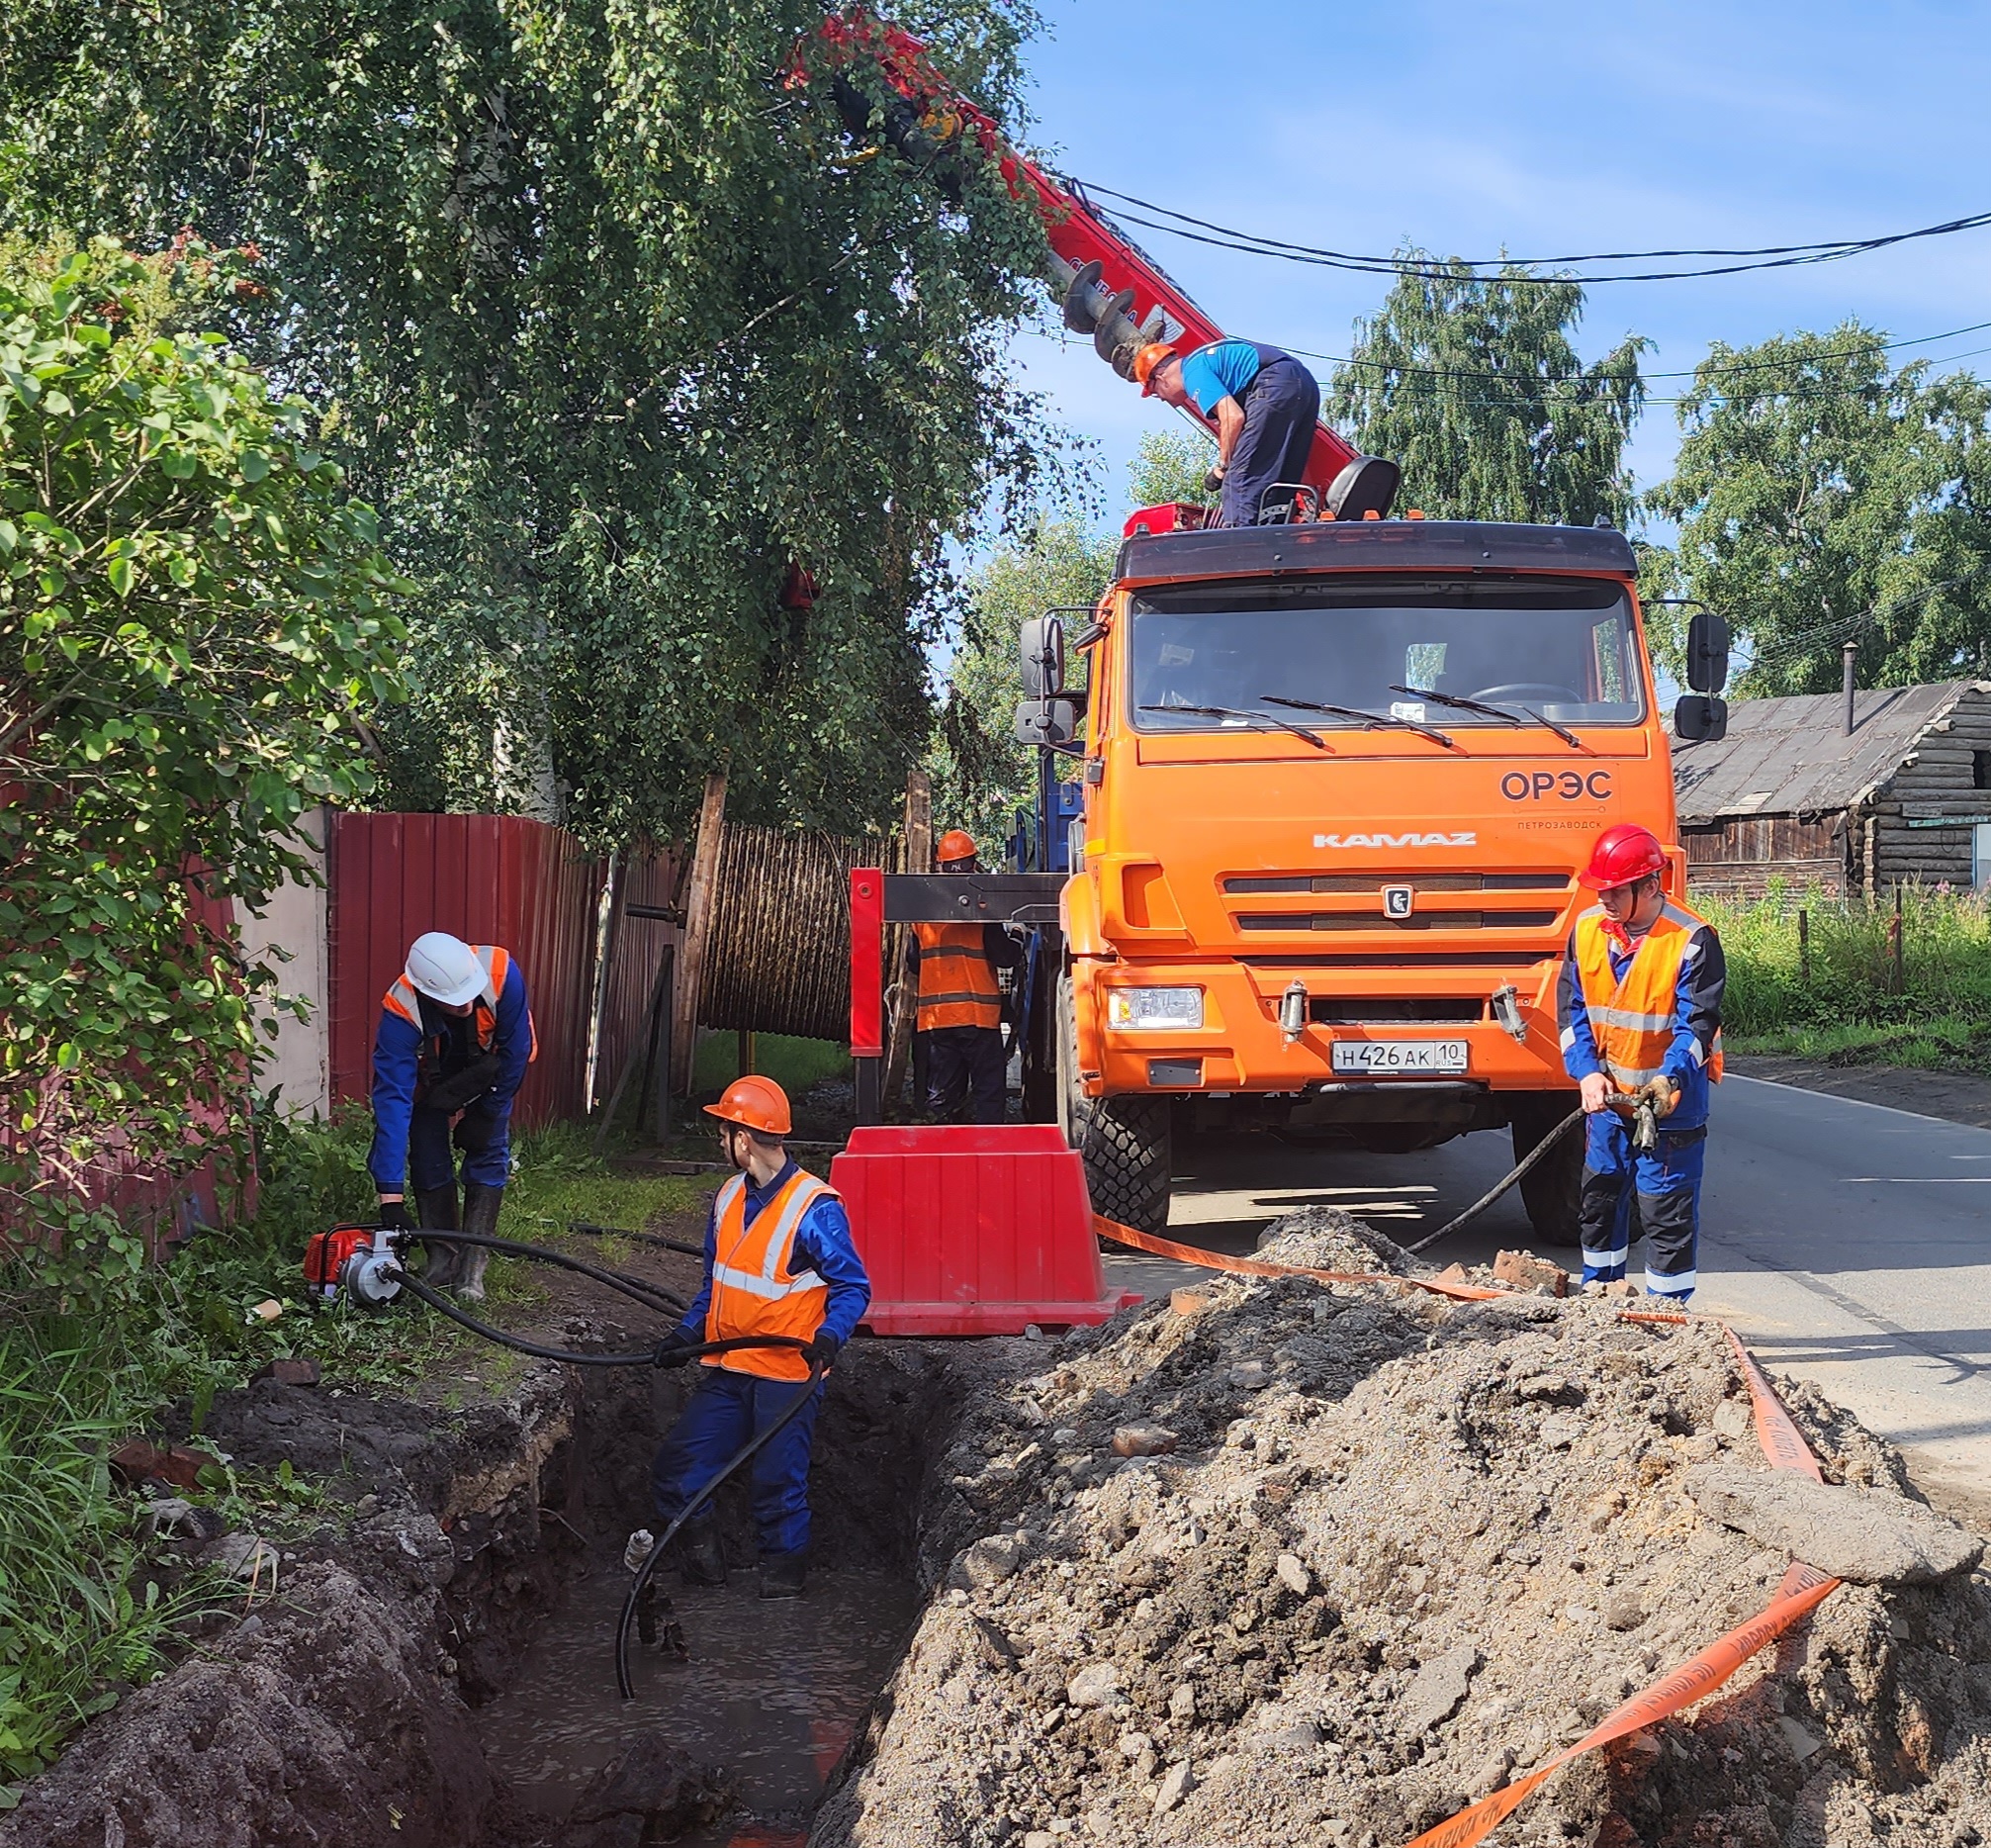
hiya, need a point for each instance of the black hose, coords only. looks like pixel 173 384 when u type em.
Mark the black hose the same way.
pixel 650 1295
pixel 817 1368
pixel 1487 1199
pixel 593 1231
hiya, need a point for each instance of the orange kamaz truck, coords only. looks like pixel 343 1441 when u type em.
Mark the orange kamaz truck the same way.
pixel 1337 779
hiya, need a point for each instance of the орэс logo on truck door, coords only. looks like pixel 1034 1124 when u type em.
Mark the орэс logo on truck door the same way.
pixel 1397 840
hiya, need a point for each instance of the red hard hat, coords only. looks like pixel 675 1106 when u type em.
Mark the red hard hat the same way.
pixel 755 1103
pixel 1623 853
pixel 955 844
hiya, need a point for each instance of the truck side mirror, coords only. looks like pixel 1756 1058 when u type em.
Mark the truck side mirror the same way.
pixel 1700 718
pixel 1040 647
pixel 1046 721
pixel 1706 652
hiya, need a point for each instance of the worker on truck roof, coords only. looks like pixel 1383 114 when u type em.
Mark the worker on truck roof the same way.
pixel 778 1260
pixel 959 1020
pixel 454 1040
pixel 1265 404
pixel 1641 1022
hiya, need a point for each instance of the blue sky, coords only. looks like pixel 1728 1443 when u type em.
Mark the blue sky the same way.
pixel 1538 128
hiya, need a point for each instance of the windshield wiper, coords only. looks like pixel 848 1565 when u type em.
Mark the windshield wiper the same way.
pixel 1510 714
pixel 1371 720
pixel 1231 711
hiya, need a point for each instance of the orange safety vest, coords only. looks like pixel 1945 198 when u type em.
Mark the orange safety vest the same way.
pixel 754 1291
pixel 1634 1019
pixel 958 987
pixel 403 999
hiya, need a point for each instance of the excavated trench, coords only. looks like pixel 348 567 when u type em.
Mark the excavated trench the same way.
pixel 1284 1562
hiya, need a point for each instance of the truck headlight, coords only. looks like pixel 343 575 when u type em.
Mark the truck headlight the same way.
pixel 1145 1010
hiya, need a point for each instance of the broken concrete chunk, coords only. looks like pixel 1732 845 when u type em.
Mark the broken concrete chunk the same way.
pixel 1143 1440
pixel 1731 1419
pixel 1622 1611
pixel 1294 1575
pixel 1177 1784
pixel 1803 1742
pixel 1182 1702
pixel 1560 1430
pixel 988 1562
pixel 1438 1690
pixel 1525 1271
pixel 242 1556
pixel 1251 1373
pixel 1551 1387
pixel 1869 1539
pixel 1097 1684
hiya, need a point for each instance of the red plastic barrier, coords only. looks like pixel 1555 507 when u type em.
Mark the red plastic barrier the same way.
pixel 972 1230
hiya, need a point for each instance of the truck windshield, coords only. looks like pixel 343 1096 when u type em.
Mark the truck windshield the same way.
pixel 1559 649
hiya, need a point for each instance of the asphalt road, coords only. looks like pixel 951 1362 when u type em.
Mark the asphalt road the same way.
pixel 1849 1243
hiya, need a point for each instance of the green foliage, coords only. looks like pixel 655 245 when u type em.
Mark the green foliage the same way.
pixel 620 324
pixel 980 773
pixel 1824 497
pixel 1473 384
pixel 1946 940
pixel 1170 466
pixel 193 615
pixel 794 1062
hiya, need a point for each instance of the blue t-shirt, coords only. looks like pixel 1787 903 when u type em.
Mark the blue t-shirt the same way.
pixel 1224 369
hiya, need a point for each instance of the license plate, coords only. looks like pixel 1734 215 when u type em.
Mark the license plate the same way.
pixel 1400 1055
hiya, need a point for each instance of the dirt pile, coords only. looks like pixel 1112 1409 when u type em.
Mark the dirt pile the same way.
pixel 1323 1238
pixel 1372 1554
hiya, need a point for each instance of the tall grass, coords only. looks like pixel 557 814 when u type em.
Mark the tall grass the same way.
pixel 1849 979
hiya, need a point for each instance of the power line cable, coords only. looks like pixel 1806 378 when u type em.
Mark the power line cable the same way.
pixel 1768 256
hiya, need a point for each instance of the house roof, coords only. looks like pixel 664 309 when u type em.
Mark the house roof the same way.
pixel 1793 757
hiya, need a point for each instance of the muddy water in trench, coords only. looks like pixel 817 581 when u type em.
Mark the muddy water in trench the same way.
pixel 772 1691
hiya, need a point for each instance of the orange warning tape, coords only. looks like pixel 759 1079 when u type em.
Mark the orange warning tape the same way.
pixel 1783 1443
pixel 1259 1267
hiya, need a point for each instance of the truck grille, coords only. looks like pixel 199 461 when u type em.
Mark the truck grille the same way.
pixel 1369 920
pixel 1369 1010
pixel 1358 884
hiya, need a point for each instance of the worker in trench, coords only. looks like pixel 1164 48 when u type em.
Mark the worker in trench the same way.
pixel 960 1021
pixel 454 1040
pixel 778 1260
pixel 1265 404
pixel 1641 1023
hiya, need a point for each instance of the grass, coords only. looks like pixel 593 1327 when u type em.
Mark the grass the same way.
pixel 1839 997
pixel 793 1064
pixel 82 1614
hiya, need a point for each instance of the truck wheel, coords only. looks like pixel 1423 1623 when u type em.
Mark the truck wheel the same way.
pixel 1124 1140
pixel 1551 1190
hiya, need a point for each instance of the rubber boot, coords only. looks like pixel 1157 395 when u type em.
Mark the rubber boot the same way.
pixel 783 1575
pixel 480 1215
pixel 701 1559
pixel 436 1209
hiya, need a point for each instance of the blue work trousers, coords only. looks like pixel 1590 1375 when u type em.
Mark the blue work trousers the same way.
pixel 964 1064
pixel 431 1160
pixel 1282 404
pixel 1666 1185
pixel 727 1411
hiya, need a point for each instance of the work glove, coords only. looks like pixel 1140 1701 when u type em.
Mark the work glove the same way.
pixel 1213 482
pixel 1663 1095
pixel 461 1088
pixel 820 1348
pixel 394 1216
pixel 475 1131
pixel 676 1349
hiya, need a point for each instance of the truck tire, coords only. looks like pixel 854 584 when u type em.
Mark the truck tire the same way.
pixel 1124 1140
pixel 1551 1190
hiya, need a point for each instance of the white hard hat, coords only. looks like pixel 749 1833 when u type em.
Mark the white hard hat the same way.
pixel 445 967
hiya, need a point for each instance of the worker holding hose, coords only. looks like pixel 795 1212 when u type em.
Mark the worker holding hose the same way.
pixel 454 1040
pixel 1264 404
pixel 780 1260
pixel 959 1019
pixel 1640 1026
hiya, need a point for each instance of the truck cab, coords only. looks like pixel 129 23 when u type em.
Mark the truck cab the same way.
pixel 1338 778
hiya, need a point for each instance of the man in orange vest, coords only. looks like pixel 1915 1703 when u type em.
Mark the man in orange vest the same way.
pixel 1641 1022
pixel 778 1260
pixel 960 1001
pixel 454 1040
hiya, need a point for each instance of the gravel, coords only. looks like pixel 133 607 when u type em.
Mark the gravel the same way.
pixel 1402 1549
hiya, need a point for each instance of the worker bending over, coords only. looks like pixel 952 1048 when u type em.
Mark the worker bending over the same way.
pixel 454 1039
pixel 960 1001
pixel 1265 404
pixel 1640 1021
pixel 778 1260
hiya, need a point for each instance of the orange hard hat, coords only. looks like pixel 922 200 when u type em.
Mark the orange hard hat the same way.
pixel 754 1103
pixel 1623 854
pixel 1147 361
pixel 955 844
